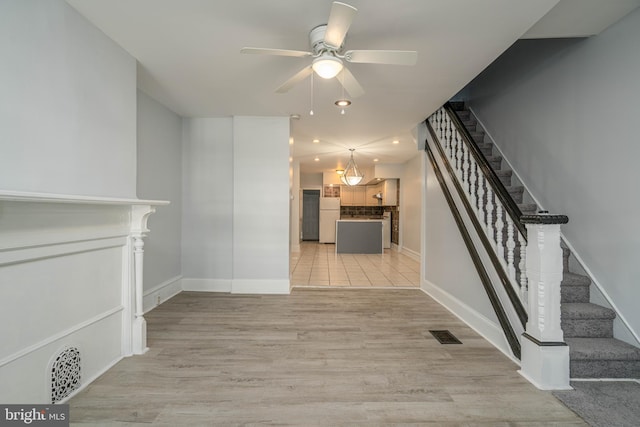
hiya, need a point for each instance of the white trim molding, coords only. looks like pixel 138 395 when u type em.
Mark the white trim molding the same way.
pixel 206 285
pixel 161 293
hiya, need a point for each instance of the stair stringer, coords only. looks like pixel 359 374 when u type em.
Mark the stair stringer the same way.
pixel 622 330
pixel 513 318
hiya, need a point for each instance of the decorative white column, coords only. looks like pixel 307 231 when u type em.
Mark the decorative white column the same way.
pixel 139 216
pixel 545 355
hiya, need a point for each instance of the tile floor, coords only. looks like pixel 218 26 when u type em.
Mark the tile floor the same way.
pixel 317 264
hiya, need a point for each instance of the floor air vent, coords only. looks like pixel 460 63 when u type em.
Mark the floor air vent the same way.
pixel 65 374
pixel 445 337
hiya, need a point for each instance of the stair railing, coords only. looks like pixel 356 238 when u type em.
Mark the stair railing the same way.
pixel 501 225
pixel 489 198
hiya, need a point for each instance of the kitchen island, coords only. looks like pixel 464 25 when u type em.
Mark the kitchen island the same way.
pixel 359 236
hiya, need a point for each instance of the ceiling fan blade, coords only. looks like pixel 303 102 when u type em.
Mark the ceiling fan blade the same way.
pixel 298 77
pixel 391 57
pixel 277 52
pixel 350 83
pixel 340 19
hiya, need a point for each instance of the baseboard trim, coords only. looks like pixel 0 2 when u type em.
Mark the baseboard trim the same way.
pixel 206 285
pixel 476 321
pixel 252 286
pixel 410 253
pixel 161 293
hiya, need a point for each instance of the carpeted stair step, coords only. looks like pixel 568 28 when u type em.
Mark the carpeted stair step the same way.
pixel 584 320
pixel 478 136
pixel 574 288
pixel 528 208
pixel 495 162
pixel 516 193
pixel 457 105
pixel 603 358
pixel 505 176
pixel 486 148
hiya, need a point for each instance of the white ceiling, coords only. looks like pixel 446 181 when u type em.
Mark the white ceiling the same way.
pixel 189 59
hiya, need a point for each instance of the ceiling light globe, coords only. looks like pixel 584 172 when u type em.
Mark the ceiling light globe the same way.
pixel 327 66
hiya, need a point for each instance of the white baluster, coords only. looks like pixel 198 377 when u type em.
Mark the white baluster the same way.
pixel 511 245
pixel 489 222
pixel 472 184
pixel 458 155
pixel 465 168
pixel 499 228
pixel 481 204
pixel 521 265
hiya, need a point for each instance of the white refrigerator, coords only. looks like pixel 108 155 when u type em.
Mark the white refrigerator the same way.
pixel 329 214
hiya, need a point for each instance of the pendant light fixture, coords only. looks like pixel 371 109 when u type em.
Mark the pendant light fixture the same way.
pixel 351 175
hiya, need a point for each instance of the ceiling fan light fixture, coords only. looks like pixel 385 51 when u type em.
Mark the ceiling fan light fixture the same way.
pixel 351 175
pixel 327 66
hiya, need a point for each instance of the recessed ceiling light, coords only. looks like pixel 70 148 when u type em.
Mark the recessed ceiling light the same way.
pixel 340 171
pixel 317 159
pixel 376 160
pixel 395 141
pixel 315 141
pixel 343 103
pixel 291 141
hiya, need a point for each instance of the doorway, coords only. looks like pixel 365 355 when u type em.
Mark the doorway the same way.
pixel 310 215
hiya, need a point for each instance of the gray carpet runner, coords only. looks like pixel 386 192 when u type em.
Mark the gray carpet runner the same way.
pixel 587 327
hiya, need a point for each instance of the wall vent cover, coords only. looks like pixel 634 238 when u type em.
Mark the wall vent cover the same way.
pixel 65 374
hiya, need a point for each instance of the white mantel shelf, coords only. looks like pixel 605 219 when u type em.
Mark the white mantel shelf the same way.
pixel 20 196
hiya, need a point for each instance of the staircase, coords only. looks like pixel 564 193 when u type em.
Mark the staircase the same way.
pixel 587 327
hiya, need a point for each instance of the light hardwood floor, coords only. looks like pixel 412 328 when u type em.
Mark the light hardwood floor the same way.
pixel 318 265
pixel 315 357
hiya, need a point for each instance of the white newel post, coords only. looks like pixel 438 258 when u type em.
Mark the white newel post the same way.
pixel 139 216
pixel 545 355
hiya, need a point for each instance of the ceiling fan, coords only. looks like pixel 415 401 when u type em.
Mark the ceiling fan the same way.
pixel 327 51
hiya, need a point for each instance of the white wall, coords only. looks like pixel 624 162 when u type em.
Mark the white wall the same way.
pixel 310 180
pixel 261 204
pixel 207 201
pixel 411 189
pixel 236 204
pixel 160 178
pixel 565 113
pixel 67 104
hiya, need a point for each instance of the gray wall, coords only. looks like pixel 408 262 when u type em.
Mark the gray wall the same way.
pixel 160 178
pixel 67 104
pixel 565 113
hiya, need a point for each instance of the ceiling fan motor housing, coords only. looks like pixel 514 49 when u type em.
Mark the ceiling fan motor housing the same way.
pixel 316 41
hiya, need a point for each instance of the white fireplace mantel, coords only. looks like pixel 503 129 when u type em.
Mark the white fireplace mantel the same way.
pixel 70 276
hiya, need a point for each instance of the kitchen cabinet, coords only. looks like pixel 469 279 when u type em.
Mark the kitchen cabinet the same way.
pixel 352 196
pixel 390 192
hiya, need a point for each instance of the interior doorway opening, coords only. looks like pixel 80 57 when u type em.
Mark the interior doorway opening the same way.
pixel 310 215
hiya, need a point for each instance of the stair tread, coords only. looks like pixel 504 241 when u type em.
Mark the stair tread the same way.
pixel 504 172
pixel 585 310
pixel 573 279
pixel 601 349
pixel 515 188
